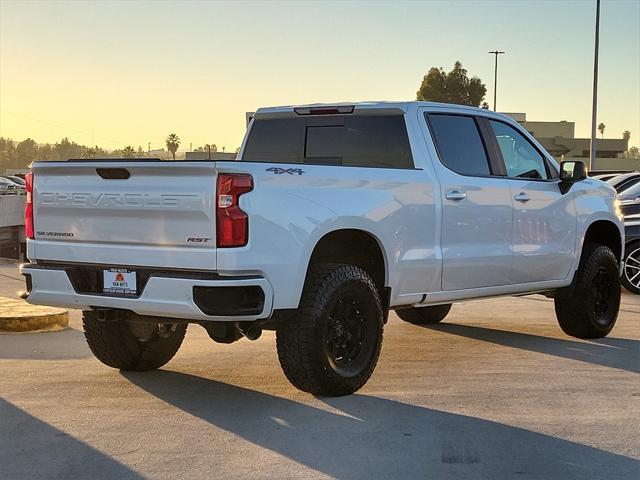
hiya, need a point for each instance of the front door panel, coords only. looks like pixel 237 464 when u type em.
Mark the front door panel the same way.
pixel 544 231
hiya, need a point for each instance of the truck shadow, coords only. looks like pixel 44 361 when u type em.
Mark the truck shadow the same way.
pixel 32 449
pixel 621 353
pixel 369 437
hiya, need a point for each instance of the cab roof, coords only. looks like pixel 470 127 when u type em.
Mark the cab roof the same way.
pixel 368 108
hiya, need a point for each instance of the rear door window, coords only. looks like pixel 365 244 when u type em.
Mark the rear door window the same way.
pixel 347 140
pixel 459 144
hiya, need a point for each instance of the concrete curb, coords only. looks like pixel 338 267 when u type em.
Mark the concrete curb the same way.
pixel 18 316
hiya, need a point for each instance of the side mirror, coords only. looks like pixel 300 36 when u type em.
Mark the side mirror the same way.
pixel 571 171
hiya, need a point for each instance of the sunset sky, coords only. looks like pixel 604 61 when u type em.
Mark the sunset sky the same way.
pixel 129 73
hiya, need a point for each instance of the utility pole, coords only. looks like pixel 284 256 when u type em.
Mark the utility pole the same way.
pixel 149 151
pixel 495 77
pixel 594 108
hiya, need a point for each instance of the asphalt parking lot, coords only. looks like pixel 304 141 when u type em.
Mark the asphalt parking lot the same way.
pixel 498 391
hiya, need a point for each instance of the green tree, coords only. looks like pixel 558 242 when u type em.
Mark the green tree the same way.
pixel 128 152
pixel 626 135
pixel 7 153
pixel 451 87
pixel 46 152
pixel 66 149
pixel 21 154
pixel 89 152
pixel 173 142
pixel 601 127
pixel 633 152
pixel 25 153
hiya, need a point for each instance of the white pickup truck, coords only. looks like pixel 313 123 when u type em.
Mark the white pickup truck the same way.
pixel 331 216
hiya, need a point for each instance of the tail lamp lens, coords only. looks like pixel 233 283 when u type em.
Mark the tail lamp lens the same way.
pixel 28 209
pixel 232 224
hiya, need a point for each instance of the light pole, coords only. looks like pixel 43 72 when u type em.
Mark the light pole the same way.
pixel 495 77
pixel 594 107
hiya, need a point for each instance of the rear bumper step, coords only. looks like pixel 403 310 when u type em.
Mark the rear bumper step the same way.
pixel 179 296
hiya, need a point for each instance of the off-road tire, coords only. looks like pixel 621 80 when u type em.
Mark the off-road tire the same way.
pixel 424 315
pixel 306 343
pixel 115 345
pixel 590 309
pixel 630 267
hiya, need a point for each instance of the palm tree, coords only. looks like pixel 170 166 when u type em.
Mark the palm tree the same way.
pixel 626 135
pixel 173 142
pixel 601 128
pixel 128 152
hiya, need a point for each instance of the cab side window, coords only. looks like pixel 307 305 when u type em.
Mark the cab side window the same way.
pixel 521 159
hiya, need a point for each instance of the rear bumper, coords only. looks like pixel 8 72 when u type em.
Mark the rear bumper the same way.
pixel 163 296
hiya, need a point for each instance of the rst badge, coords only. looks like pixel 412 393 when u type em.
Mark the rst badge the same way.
pixel 198 239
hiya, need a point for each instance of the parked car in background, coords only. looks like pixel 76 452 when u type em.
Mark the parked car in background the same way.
pixel 14 179
pixel 606 176
pixel 631 268
pixel 624 181
pixel 7 185
pixel 630 201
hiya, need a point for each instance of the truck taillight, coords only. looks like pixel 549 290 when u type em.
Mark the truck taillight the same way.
pixel 28 209
pixel 232 224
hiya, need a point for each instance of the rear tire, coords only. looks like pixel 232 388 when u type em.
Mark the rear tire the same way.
pixel 631 269
pixel 132 346
pixel 332 345
pixel 591 309
pixel 424 315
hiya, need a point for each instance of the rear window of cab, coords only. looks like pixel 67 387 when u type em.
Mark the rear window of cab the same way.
pixel 378 141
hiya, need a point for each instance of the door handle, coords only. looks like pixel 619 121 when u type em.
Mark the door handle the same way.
pixel 522 197
pixel 455 195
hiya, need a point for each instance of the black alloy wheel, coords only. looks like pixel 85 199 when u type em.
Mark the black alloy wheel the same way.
pixel 349 342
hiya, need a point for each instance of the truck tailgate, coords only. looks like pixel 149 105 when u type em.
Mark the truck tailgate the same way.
pixel 125 213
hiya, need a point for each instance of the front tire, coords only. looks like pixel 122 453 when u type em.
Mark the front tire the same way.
pixel 591 310
pixel 332 345
pixel 631 270
pixel 424 315
pixel 132 345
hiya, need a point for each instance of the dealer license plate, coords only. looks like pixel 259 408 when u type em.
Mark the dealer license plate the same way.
pixel 119 280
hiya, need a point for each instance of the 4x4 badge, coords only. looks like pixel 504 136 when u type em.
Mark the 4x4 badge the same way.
pixel 290 171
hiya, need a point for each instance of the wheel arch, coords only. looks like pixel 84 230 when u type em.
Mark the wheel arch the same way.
pixel 604 232
pixel 356 247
